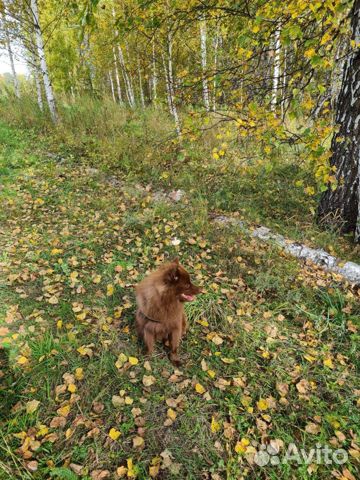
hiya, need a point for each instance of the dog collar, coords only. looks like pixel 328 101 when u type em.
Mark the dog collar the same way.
pixel 148 318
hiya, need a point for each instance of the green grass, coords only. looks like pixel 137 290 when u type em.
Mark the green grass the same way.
pixel 280 322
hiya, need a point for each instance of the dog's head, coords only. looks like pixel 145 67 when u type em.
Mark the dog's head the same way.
pixel 178 278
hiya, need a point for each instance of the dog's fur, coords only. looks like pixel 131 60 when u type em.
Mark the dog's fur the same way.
pixel 160 300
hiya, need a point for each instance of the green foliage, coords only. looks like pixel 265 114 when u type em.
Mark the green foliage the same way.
pixel 63 474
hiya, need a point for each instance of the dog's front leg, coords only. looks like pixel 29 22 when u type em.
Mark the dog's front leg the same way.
pixel 184 324
pixel 149 337
pixel 175 338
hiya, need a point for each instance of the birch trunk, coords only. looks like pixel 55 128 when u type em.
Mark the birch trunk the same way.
pixel 205 85
pixel 142 99
pixel 34 67
pixel 216 46
pixel 43 65
pixel 276 72
pixel 283 87
pixel 128 87
pixel 38 89
pixel 117 78
pixel 169 80
pixel 112 87
pixel 171 85
pixel 341 206
pixel 131 86
pixel 11 58
pixel 167 86
pixel 88 62
pixel 154 73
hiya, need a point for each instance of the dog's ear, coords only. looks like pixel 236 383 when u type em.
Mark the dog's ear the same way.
pixel 176 260
pixel 173 274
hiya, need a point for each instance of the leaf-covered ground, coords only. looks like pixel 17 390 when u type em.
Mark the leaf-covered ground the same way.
pixel 270 357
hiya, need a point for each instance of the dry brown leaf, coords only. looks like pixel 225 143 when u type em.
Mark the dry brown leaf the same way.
pixel 148 380
pixel 282 388
pixel 32 406
pixel 76 468
pixel 99 474
pixel 138 442
pixel 32 466
pixel 303 386
pixel 312 428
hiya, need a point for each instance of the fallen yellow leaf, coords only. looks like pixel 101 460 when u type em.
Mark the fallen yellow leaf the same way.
pixel 154 470
pixel 32 406
pixel 79 374
pixel 328 363
pixel 114 434
pixel 22 360
pixel 199 388
pixel 241 446
pixel 215 426
pixel 262 404
pixel 171 414
pixel 63 411
pixel 130 467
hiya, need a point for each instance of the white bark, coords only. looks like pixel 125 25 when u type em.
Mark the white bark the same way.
pixel 112 87
pixel 88 62
pixel 167 86
pixel 34 67
pixel 205 85
pixel 132 89
pixel 154 72
pixel 38 89
pixel 216 46
pixel 276 71
pixel 142 98
pixel 170 85
pixel 43 65
pixel 117 78
pixel 283 89
pixel 128 87
pixel 11 58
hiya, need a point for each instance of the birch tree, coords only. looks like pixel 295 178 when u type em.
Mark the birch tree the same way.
pixel 117 77
pixel 340 206
pixel 203 41
pixel 276 71
pixel 11 56
pixel 216 48
pixel 169 78
pixel 142 98
pixel 112 87
pixel 154 72
pixel 128 85
pixel 38 89
pixel 42 60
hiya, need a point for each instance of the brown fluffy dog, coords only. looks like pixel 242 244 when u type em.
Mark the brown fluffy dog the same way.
pixel 160 300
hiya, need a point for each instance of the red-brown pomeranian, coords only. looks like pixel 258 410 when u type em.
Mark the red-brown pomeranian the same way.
pixel 160 300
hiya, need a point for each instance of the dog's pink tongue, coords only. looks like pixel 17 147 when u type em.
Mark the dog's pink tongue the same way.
pixel 188 298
